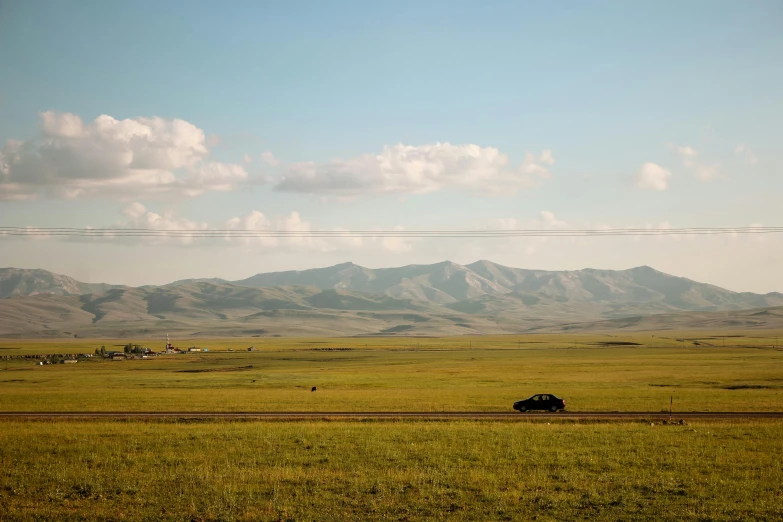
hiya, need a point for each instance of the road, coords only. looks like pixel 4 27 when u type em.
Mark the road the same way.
pixel 464 415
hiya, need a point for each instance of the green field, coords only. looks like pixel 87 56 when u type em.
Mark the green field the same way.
pixel 397 470
pixel 390 471
pixel 481 374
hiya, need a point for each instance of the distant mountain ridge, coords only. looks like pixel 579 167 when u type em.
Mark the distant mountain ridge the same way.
pixel 21 281
pixel 347 299
pixel 449 283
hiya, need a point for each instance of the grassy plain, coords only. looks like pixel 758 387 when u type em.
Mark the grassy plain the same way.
pixel 674 338
pixel 451 374
pixel 462 470
pixel 398 470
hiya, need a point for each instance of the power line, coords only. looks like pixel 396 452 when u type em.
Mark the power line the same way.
pixel 109 233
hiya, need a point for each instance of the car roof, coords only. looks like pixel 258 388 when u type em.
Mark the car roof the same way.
pixel 537 394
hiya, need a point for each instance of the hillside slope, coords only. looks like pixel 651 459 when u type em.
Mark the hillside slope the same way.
pixel 439 299
pixel 20 281
pixel 452 284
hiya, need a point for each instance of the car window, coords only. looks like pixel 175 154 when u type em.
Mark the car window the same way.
pixel 535 397
pixel 544 397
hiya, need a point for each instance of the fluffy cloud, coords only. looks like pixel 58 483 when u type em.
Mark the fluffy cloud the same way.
pixel 186 232
pixel 548 218
pixel 747 155
pixel 139 217
pixel 123 158
pixel 269 158
pixel 406 169
pixel 652 177
pixel 685 152
pixel 690 158
pixel 398 245
pixel 546 221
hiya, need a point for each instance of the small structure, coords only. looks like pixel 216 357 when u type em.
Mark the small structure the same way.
pixel 251 349
pixel 70 361
pixel 194 349
pixel 170 347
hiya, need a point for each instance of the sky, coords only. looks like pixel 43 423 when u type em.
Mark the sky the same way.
pixel 406 115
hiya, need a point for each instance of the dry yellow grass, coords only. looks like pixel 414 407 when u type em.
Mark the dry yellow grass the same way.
pixel 722 471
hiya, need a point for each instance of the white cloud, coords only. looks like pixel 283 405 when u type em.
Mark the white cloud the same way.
pixel 397 245
pixel 190 233
pixel 121 158
pixel 747 155
pixel 546 221
pixel 758 237
pixel 139 217
pixel 406 169
pixel 690 158
pixel 706 172
pixel 685 152
pixel 269 158
pixel 246 231
pixel 549 219
pixel 652 177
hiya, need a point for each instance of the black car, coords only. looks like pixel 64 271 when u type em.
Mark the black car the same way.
pixel 542 401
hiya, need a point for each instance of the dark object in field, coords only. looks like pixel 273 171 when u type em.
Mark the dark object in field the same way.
pixel 541 401
pixel 313 389
pixel 203 370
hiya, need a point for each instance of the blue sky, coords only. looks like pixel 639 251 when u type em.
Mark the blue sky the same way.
pixel 610 88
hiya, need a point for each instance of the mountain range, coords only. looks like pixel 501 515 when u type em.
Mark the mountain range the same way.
pixel 347 299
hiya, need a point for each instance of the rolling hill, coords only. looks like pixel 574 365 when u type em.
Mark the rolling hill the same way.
pixel 20 281
pixel 347 299
pixel 484 286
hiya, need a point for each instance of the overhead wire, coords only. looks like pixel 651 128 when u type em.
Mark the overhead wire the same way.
pixel 6 231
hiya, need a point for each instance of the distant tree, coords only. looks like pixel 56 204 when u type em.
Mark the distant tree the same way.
pixel 103 351
pixel 97 351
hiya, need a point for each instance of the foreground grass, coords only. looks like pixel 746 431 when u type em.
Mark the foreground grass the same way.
pixel 389 470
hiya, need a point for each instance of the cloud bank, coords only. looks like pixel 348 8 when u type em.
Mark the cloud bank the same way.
pixel 183 231
pixel 652 177
pixel 118 158
pixel 407 169
pixel 690 159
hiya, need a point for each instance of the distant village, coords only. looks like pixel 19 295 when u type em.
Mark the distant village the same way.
pixel 129 351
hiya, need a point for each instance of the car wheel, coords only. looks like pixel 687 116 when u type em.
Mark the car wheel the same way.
pixel 553 409
pixel 522 409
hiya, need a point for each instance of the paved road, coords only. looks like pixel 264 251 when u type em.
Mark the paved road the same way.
pixel 512 416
